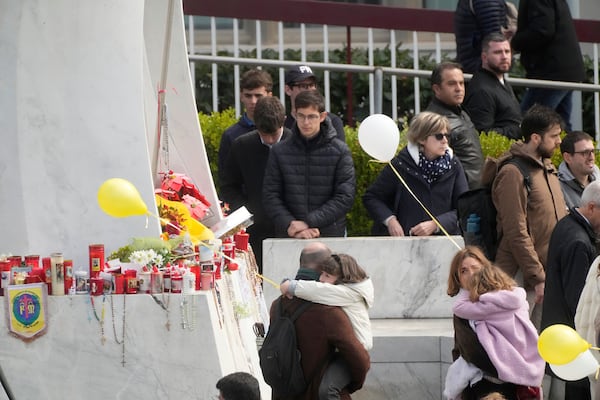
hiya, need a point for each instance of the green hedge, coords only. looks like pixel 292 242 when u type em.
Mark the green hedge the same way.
pixel 359 223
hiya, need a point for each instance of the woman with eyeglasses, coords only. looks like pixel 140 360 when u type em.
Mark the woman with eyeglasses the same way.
pixel 430 171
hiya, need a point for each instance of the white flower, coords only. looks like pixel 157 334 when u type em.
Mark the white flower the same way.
pixel 146 257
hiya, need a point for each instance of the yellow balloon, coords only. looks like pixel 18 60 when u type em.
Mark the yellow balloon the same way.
pixel 197 231
pixel 119 198
pixel 560 344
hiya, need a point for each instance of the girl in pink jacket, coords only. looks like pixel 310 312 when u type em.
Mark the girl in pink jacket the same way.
pixel 498 312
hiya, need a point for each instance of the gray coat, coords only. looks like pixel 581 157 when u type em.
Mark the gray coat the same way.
pixel 570 187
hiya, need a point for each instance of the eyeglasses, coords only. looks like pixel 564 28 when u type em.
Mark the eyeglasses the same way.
pixel 586 153
pixel 441 136
pixel 309 117
pixel 306 86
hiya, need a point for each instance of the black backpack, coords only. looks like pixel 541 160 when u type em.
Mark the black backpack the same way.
pixel 280 357
pixel 477 213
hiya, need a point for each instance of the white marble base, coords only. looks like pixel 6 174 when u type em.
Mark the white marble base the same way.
pixel 409 274
pixel 70 361
pixel 409 359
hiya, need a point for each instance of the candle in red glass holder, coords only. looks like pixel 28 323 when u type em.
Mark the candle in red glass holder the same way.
pixel 15 261
pixel 32 261
pixel 131 281
pixel 176 283
pixel 228 250
pixel 167 280
pixel 119 283
pixel 96 286
pixel 156 281
pixel 68 265
pixel 96 252
pixel 207 279
pixel 241 240
pixel 196 271
pixel 217 263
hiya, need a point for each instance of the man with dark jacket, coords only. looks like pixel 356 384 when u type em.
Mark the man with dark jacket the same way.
pixel 320 330
pixel 448 85
pixel 549 48
pixel 571 252
pixel 490 100
pixel 309 183
pixel 254 85
pixel 242 177
pixel 474 20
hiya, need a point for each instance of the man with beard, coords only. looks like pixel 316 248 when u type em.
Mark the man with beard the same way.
pixel 448 85
pixel 490 100
pixel 527 213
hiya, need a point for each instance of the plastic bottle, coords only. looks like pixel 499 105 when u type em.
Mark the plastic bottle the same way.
pixel 473 223
pixel 473 234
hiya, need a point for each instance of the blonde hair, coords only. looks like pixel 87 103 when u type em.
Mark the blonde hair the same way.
pixel 425 124
pixel 345 268
pixel 453 278
pixel 489 279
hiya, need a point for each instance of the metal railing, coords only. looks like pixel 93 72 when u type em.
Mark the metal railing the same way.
pixel 431 23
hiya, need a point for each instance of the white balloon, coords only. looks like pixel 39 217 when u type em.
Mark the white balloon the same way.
pixel 379 137
pixel 583 365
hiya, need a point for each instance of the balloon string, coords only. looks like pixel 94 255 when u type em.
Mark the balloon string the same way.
pixel 434 219
pixel 264 278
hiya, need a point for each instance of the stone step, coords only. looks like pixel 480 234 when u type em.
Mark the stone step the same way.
pixel 409 359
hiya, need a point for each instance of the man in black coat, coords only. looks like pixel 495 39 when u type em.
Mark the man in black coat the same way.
pixel 301 78
pixel 571 251
pixel 254 85
pixel 309 184
pixel 490 100
pixel 474 20
pixel 549 48
pixel 448 85
pixel 244 170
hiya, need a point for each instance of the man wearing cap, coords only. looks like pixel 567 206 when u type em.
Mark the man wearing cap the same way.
pixel 299 79
pixel 254 84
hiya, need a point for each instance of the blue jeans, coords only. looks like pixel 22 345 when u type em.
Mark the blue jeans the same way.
pixel 557 99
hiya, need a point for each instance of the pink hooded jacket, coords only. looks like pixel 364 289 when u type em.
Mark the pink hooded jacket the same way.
pixel 506 333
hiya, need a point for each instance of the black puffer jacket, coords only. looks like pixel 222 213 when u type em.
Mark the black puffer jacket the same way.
pixel 310 180
pixel 470 29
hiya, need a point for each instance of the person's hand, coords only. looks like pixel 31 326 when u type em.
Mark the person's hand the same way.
pixel 426 228
pixel 295 227
pixel 539 292
pixel 310 233
pixel 284 289
pixel 394 227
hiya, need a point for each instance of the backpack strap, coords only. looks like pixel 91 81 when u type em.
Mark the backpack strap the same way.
pixel 524 168
pixel 296 313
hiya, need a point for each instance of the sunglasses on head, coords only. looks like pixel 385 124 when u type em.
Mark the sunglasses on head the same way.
pixel 441 136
